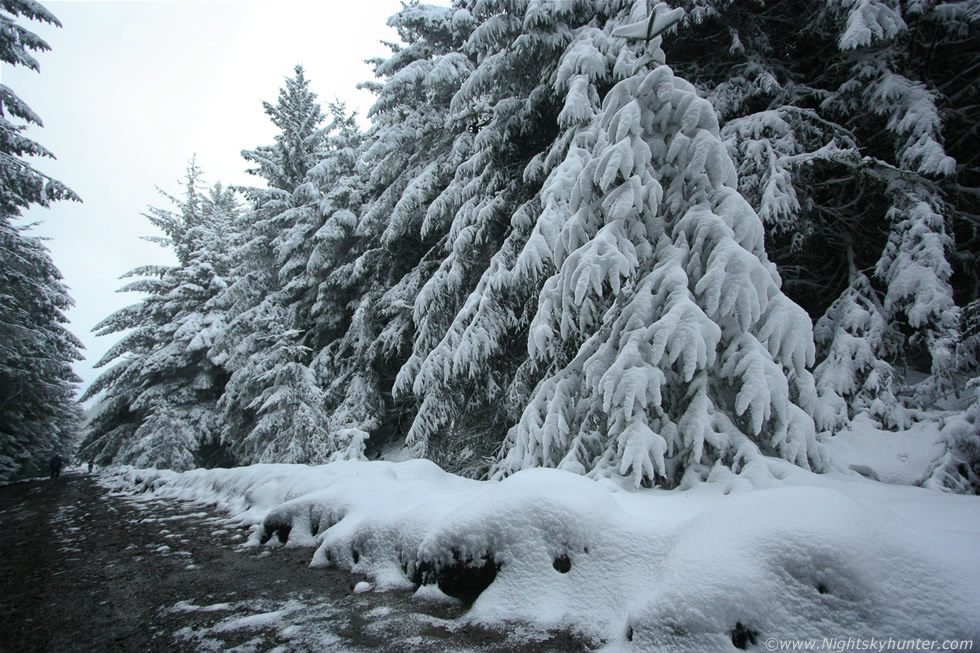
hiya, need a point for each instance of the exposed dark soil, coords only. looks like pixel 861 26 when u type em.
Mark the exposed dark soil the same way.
pixel 84 569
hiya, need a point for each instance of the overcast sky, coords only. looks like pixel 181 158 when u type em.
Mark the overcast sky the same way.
pixel 131 90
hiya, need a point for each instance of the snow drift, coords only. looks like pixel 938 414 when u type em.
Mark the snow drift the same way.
pixel 776 552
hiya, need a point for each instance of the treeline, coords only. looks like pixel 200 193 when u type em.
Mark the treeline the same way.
pixel 601 236
pixel 38 413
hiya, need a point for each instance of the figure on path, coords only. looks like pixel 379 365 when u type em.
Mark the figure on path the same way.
pixel 56 463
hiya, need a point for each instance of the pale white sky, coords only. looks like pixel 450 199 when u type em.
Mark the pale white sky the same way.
pixel 132 89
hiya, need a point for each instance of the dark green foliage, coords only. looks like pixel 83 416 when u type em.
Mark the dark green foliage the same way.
pixel 851 124
pixel 38 413
pixel 158 406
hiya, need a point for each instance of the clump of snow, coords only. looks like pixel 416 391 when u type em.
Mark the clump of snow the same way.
pixel 259 620
pixel 189 606
pixel 553 536
pixel 779 552
pixel 291 619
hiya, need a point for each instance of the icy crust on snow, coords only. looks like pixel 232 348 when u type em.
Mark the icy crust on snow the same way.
pixel 780 553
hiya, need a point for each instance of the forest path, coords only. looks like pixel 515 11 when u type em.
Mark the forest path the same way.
pixel 86 569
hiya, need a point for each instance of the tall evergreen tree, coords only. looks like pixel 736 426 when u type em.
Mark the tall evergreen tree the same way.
pixel 582 188
pixel 470 325
pixel 38 413
pixel 312 251
pixel 839 131
pixel 296 150
pixel 341 272
pixel 412 154
pixel 273 404
pixel 855 139
pixel 158 407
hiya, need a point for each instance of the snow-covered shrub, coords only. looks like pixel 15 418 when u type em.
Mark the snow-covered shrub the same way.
pixel 854 338
pixel 959 469
pixel 350 443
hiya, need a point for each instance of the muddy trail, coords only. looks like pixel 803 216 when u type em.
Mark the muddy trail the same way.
pixel 86 569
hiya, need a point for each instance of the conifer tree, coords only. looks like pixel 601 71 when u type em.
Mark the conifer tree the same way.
pixel 297 114
pixel 38 413
pixel 852 377
pixel 841 132
pixel 596 195
pixel 311 254
pixel 409 157
pixel 852 135
pixel 686 353
pixel 158 407
pixel 276 309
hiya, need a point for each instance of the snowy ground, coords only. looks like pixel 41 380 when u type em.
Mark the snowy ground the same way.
pixel 84 568
pixel 773 555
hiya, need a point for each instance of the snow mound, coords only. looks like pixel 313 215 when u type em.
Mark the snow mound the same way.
pixel 717 566
pixel 807 563
pixel 538 542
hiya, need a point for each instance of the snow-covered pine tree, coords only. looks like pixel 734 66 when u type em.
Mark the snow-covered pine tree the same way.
pixel 685 353
pixel 598 209
pixel 395 243
pixel 297 114
pixel 468 352
pixel 158 402
pixel 959 468
pixel 316 292
pixel 469 324
pixel 290 425
pixel 851 137
pixel 284 211
pixel 852 377
pixel 913 266
pixel 311 253
pixel 275 309
pixel 38 412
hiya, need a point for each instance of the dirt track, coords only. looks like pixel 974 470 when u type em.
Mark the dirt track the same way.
pixel 83 569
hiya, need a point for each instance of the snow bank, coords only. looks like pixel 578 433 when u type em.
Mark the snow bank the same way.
pixel 722 564
pixel 809 563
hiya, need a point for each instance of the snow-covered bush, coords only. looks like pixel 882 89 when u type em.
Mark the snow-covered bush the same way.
pixel 854 338
pixel 959 469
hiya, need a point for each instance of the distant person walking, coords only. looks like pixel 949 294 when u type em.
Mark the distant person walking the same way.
pixel 56 463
